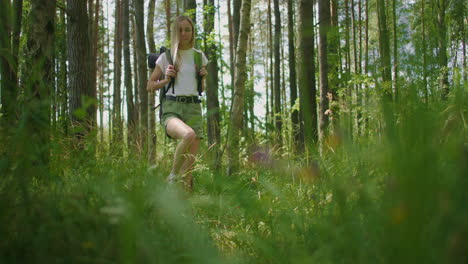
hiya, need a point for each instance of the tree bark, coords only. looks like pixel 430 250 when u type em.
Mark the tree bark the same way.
pixel 271 67
pixel 277 76
pixel 324 18
pixel 82 97
pixel 131 112
pixel 39 84
pixel 63 75
pixel 142 69
pixel 17 22
pixel 442 45
pixel 395 50
pixel 231 44
pixel 212 106
pixel 238 100
pixel 8 87
pixel 168 18
pixel 307 86
pixel 152 143
pixel 384 49
pixel 424 66
pixel 117 135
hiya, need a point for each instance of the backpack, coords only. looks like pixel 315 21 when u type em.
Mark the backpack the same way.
pixel 153 57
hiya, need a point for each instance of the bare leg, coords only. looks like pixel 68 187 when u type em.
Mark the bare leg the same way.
pixel 177 129
pixel 188 163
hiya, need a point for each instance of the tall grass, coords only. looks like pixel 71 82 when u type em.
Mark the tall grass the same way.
pixel 398 197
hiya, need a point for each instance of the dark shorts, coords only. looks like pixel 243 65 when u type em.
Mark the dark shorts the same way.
pixel 189 113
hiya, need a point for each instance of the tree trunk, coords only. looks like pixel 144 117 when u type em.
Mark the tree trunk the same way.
pixel 277 84
pixel 395 51
pixel 152 143
pixel 271 67
pixel 442 41
pixel 8 87
pixel 192 6
pixel 238 100
pixel 131 112
pixel 63 75
pixel 82 96
pixel 168 18
pixel 307 87
pixel 17 22
pixel 38 85
pixel 292 76
pixel 424 66
pixel 135 79
pixel 142 69
pixel 384 49
pixel 117 135
pixel 324 18
pixel 231 44
pixel 334 59
pixel 212 106
pixel 236 24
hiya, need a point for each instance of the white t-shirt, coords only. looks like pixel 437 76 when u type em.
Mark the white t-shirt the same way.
pixel 186 81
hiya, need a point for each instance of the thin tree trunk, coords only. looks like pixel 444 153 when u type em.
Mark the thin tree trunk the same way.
pixel 135 80
pixel 142 69
pixel 307 87
pixel 152 143
pixel 277 76
pixel 231 44
pixel 395 51
pixel 292 76
pixel 212 106
pixel 17 22
pixel 366 65
pixel 62 76
pixel 424 66
pixel 238 100
pixel 8 87
pixel 236 24
pixel 117 135
pixel 131 112
pixel 270 48
pixel 334 59
pixel 442 41
pixel 324 18
pixel 384 49
pixel 168 18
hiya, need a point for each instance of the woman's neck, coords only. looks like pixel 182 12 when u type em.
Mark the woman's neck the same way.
pixel 184 47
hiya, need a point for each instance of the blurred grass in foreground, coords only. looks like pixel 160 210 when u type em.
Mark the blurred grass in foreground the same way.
pixel 396 198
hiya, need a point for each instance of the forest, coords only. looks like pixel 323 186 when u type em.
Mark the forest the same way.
pixel 335 131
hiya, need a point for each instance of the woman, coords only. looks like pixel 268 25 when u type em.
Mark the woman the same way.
pixel 182 118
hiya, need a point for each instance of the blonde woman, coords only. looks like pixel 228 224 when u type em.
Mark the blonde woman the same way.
pixel 181 109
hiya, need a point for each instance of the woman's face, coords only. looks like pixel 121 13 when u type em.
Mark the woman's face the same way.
pixel 185 31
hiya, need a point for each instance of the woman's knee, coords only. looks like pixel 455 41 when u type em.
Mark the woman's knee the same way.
pixel 189 135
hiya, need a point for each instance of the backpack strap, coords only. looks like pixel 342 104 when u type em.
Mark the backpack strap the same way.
pixel 198 65
pixel 162 95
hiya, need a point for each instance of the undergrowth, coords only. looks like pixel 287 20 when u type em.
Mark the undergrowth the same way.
pixel 399 197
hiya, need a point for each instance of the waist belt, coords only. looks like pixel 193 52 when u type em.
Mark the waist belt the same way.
pixel 184 99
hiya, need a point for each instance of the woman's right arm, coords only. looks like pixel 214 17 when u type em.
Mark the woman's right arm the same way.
pixel 154 83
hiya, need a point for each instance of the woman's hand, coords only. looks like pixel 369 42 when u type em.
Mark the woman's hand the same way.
pixel 171 72
pixel 203 72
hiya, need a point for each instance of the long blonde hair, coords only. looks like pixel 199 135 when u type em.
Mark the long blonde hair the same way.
pixel 175 37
